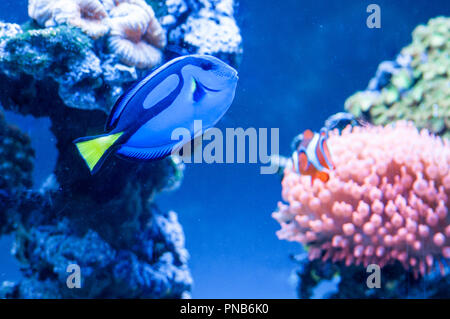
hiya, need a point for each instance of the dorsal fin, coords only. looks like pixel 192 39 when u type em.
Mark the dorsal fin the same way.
pixel 308 135
pixel 123 100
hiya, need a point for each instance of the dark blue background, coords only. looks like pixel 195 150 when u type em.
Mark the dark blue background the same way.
pixel 302 60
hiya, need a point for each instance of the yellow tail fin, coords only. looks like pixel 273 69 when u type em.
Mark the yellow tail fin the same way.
pixel 93 148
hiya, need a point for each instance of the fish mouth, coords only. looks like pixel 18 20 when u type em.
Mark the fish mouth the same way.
pixel 233 78
pixel 235 75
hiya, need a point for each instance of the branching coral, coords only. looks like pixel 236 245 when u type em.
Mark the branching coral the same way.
pixel 136 35
pixel 415 87
pixel 386 200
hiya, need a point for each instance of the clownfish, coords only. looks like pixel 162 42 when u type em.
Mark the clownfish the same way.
pixel 140 125
pixel 312 156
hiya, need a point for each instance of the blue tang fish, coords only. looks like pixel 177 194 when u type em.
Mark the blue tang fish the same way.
pixel 140 125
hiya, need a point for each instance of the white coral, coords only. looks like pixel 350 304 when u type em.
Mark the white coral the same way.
pixel 41 10
pixel 136 35
pixel 88 15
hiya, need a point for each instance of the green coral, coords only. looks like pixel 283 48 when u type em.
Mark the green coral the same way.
pixel 418 91
pixel 41 50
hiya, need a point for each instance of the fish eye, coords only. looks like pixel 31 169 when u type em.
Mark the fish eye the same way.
pixel 206 66
pixel 198 91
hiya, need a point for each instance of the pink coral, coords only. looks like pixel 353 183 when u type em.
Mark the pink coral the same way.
pixel 386 200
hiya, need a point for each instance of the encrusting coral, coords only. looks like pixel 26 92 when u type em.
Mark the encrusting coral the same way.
pixel 414 87
pixel 386 200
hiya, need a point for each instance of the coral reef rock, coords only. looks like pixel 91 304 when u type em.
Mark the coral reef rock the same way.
pixel 16 159
pixel 108 225
pixel 88 15
pixel 350 281
pixel 386 200
pixel 70 64
pixel 134 33
pixel 147 260
pixel 137 31
pixel 61 57
pixel 209 28
pixel 414 87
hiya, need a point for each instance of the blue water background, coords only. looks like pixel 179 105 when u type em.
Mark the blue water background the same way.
pixel 302 60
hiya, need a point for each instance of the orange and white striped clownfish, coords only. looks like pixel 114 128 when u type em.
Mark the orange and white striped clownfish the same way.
pixel 312 156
